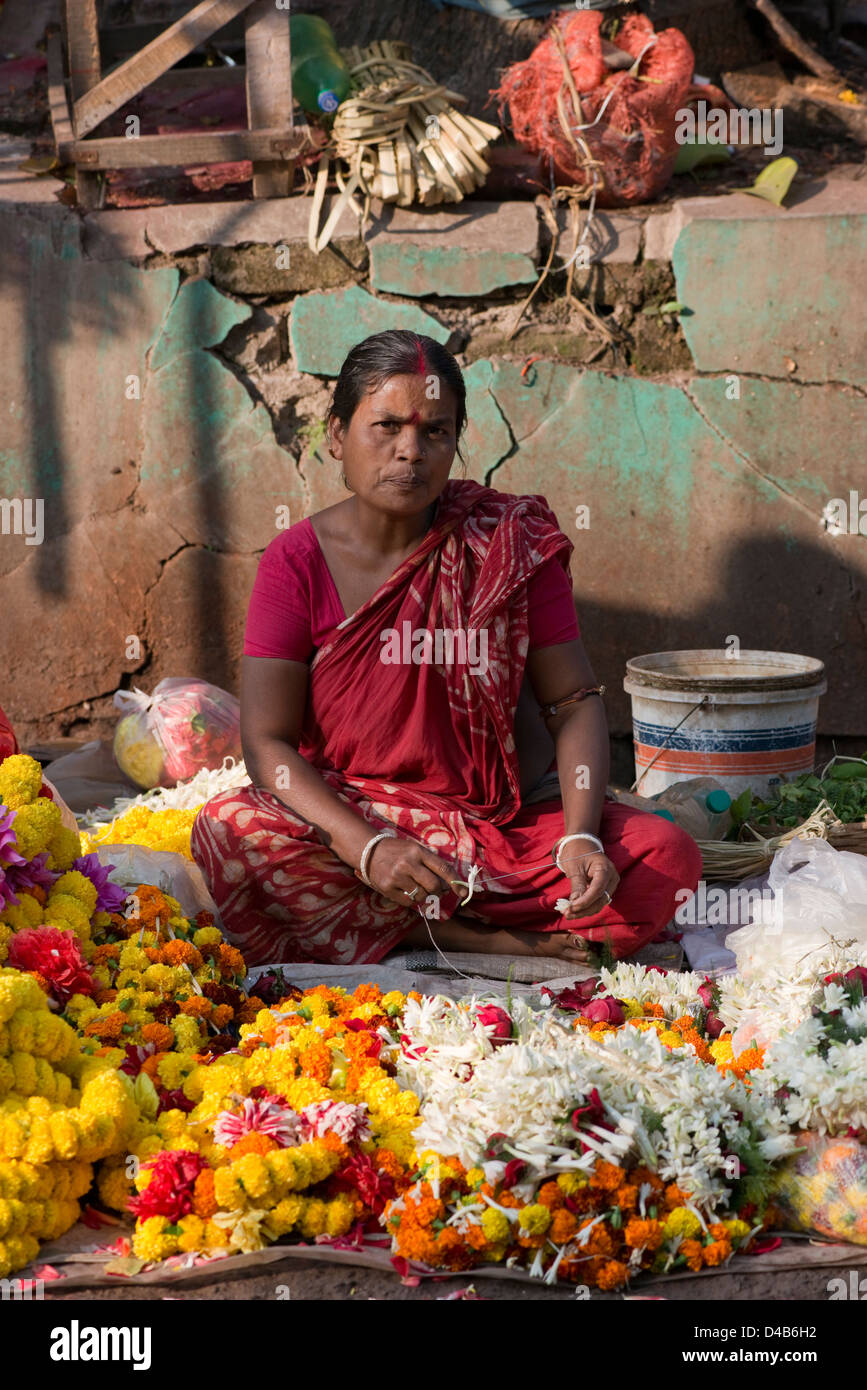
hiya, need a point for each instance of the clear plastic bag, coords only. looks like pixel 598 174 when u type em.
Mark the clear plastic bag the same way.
pixel 185 725
pixel 171 873
pixel 824 1189
pixel 816 895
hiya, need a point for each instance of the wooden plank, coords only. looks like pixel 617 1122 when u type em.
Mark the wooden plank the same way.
pixel 269 89
pixel 209 147
pixel 58 104
pixel 125 82
pixel 83 66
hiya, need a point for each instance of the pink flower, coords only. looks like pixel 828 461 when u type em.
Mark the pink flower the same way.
pixel 257 1117
pixel 605 1010
pixel 490 1016
pixel 348 1122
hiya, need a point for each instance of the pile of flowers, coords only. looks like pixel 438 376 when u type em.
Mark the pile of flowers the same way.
pixel 682 1008
pixel 60 1112
pixel 300 1130
pixel 168 829
pixel 584 1157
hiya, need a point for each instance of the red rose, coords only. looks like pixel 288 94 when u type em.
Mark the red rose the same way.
pixel 573 996
pixel 857 975
pixel 715 1026
pixel 605 1010
pixel 705 993
pixel 490 1016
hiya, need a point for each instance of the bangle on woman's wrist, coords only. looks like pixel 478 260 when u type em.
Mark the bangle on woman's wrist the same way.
pixel 361 871
pixel 578 835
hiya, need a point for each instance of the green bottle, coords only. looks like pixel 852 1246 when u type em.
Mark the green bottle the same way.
pixel 320 77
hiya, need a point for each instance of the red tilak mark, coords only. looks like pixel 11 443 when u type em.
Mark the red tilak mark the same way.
pixel 529 362
pixel 415 418
pixel 420 363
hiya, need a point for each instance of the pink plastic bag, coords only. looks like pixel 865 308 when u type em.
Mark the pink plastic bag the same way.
pixel 184 726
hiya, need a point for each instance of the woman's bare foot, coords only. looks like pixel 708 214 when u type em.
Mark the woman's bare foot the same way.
pixel 466 934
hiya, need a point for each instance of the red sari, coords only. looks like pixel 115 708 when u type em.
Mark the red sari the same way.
pixel 430 751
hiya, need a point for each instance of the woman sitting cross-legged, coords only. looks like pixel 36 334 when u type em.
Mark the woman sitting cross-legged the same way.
pixel 399 646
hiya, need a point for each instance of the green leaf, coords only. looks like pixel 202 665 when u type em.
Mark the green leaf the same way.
pixel 773 182
pixel 741 806
pixel 199 723
pixel 697 152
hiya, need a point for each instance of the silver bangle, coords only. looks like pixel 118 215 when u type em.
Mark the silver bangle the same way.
pixel 579 835
pixel 368 850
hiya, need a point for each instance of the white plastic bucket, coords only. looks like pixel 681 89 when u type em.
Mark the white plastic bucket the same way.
pixel 748 721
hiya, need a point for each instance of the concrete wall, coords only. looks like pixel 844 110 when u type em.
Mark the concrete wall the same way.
pixel 163 382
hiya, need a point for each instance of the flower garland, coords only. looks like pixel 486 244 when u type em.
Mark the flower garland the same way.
pixel 302 1130
pixel 168 829
pixel 654 1152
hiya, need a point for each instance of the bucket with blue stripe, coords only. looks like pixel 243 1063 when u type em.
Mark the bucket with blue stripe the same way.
pixel 748 720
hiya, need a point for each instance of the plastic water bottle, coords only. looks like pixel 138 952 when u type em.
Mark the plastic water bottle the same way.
pixel 320 77
pixel 699 805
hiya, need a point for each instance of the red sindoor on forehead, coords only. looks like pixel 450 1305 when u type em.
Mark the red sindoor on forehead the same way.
pixel 420 362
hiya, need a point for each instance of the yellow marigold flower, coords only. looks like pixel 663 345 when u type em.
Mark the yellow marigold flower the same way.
pixel 61 910
pixel 215 1237
pixel 314 1221
pixel 670 1038
pixel 228 1191
pixel 28 913
pixel 341 1214
pixel 79 886
pixel 150 1241
pixel 19 991
pixel 681 1222
pixel 535 1219
pixel 570 1183
pixel 16 1252
pixel 496 1226
pixel 285 1216
pixel 20 780
pixel 737 1230
pixel 475 1177
pixel 632 1008
pixel 36 825
pixel 192 1235
pixel 114 1187
pixel 188 1035
pixel 207 936
pixel 64 848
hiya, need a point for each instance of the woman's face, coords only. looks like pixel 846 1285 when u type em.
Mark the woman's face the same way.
pixel 399 446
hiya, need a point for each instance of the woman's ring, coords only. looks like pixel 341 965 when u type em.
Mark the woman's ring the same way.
pixel 607 896
pixel 414 892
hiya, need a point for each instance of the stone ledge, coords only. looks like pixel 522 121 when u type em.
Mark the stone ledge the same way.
pixel 462 250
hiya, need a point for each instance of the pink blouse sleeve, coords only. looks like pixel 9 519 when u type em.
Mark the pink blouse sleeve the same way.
pixel 279 620
pixel 551 607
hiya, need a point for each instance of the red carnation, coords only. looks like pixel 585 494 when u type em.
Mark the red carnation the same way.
pixel 56 956
pixel 490 1016
pixel 360 1174
pixel 170 1190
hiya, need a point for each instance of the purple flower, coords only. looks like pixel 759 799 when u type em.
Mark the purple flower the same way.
pixel 109 897
pixel 9 857
pixel 34 874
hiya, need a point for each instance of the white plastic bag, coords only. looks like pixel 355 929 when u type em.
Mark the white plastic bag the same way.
pixel 819 898
pixel 174 874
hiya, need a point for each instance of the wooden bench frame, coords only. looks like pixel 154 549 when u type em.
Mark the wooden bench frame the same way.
pixel 272 140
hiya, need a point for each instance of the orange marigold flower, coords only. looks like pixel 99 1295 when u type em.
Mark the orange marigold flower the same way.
pixel 106 1028
pixel 159 1034
pixel 223 1014
pixel 39 893
pixel 316 1062
pixel 230 960
pixel 653 1010
pixel 182 953
pixel 608 1176
pixel 333 1143
pixel 684 1023
pixel 248 1009
pixel 642 1176
pixel 612 1275
pixel 563 1226
pixel 643 1234
pixel 675 1197
pixel 254 1144
pixel 197 1007
pixel 717 1252
pixel 104 996
pixel 150 1065
pixel 693 1251
pixel 626 1197
pixel 550 1196
pixel 204 1202
pixel 103 953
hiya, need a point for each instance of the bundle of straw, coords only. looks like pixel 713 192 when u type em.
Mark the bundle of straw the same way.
pixel 735 860
pixel 399 138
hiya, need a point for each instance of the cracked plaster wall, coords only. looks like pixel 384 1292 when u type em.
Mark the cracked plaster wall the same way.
pixel 705 512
